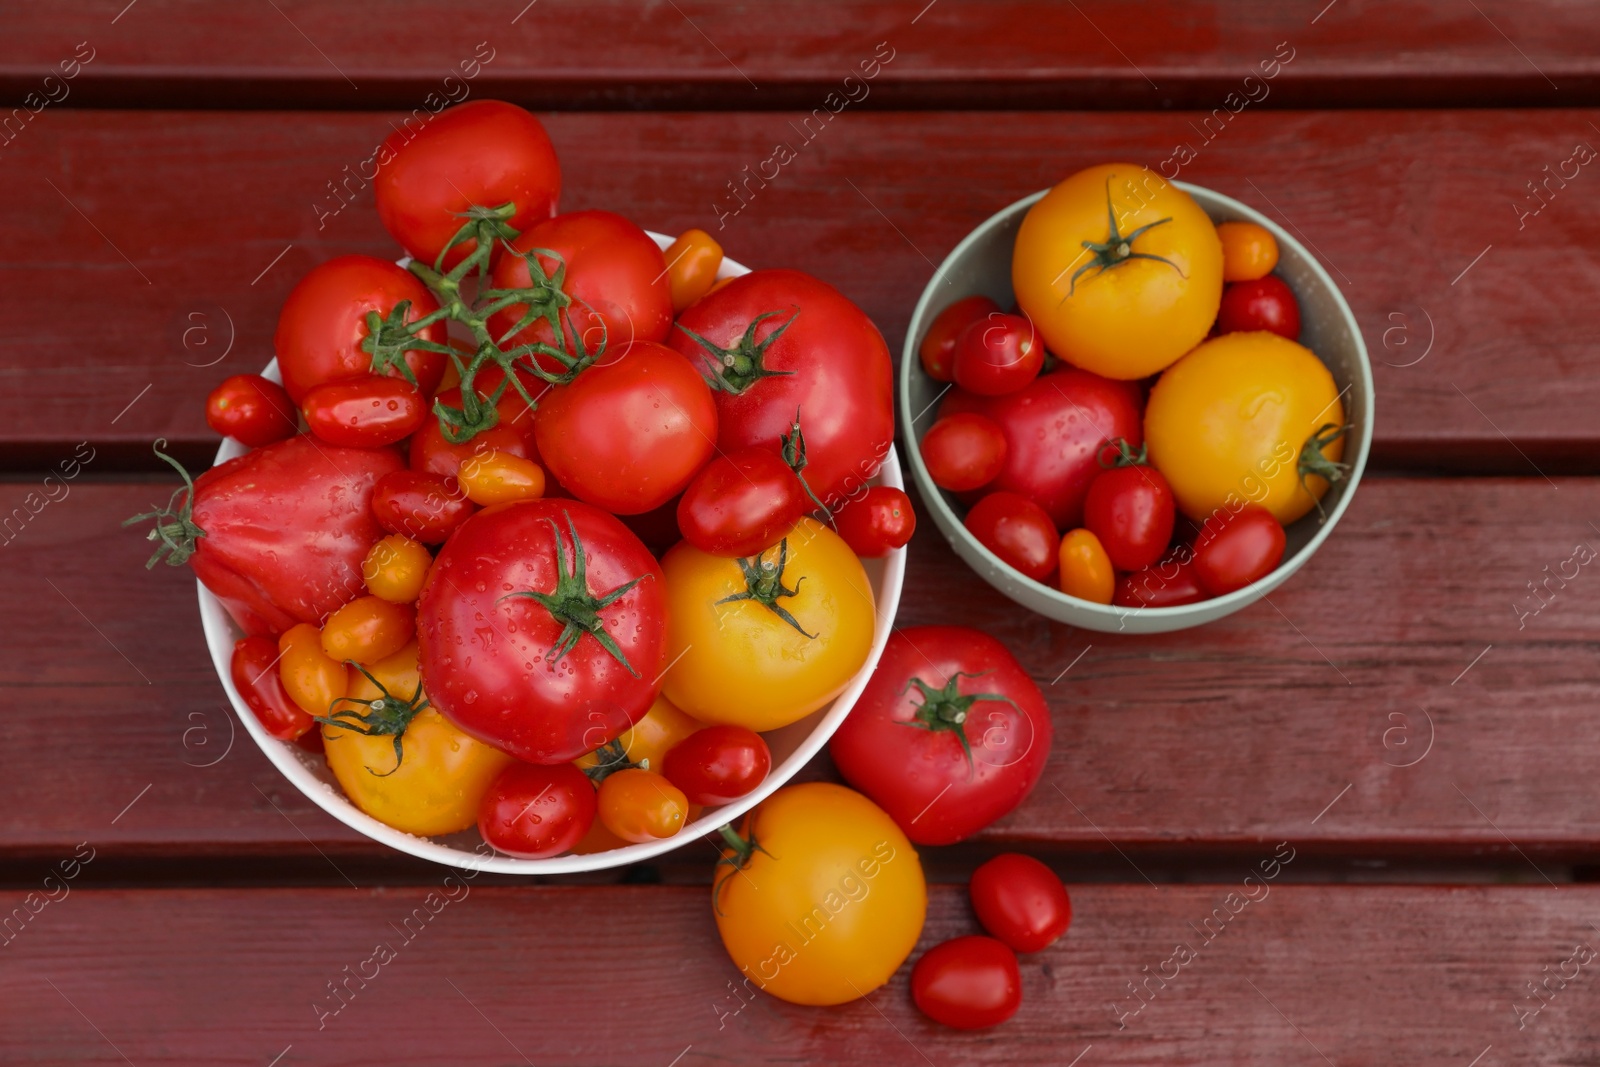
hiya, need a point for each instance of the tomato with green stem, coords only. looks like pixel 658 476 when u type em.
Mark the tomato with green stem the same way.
pixel 1130 509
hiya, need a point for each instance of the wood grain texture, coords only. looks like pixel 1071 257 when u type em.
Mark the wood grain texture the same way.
pixel 188 229
pixel 1294 719
pixel 716 54
pixel 564 976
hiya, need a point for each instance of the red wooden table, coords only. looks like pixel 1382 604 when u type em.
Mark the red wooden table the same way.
pixel 1398 715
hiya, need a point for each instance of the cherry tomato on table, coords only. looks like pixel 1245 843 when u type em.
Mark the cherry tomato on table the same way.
pixel 369 411
pixel 741 503
pixel 423 507
pixel 877 522
pixel 252 410
pixel 254 669
pixel 1249 251
pixel 692 264
pixel 997 354
pixel 1130 509
pixel 1263 304
pixel 968 983
pixel 535 812
pixel 1231 551
pixel 937 351
pixel 1020 901
pixel 1086 570
pixel 964 451
pixel 1018 531
pixel 718 765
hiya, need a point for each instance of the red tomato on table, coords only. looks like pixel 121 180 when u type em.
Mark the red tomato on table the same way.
pixel 968 983
pixel 1020 901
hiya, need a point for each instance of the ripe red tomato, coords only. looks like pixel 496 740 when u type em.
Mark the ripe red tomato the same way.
pixel 1162 585
pixel 424 507
pixel 1020 901
pixel 1231 551
pixel 365 412
pixel 1055 427
pixel 542 628
pixel 937 351
pixel 254 668
pixel 535 812
pixel 285 530
pixel 1263 304
pixel 780 345
pixel 741 503
pixel 964 451
pixel 1131 510
pixel 968 983
pixel 252 410
pixel 610 269
pixel 486 153
pixel 998 354
pixel 324 322
pixel 628 434
pixel 1018 531
pixel 876 522
pixel 949 735
pixel 514 433
pixel 718 765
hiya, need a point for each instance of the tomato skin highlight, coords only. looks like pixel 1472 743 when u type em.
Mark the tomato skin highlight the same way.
pixel 877 522
pixel 252 410
pixel 1231 551
pixel 535 812
pixel 1086 570
pixel 718 765
pixel 968 983
pixel 365 412
pixel 1262 304
pixel 998 354
pixel 254 669
pixel 1249 251
pixel 1131 511
pixel 937 351
pixel 423 507
pixel 1018 531
pixel 1020 901
pixel 741 503
pixel 964 451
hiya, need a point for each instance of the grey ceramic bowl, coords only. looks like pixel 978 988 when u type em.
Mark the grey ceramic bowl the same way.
pixel 981 263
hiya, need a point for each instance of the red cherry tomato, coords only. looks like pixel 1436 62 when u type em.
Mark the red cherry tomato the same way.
pixel 254 668
pixel 486 153
pixel 1020 901
pixel 938 347
pixel 514 433
pixel 1162 585
pixel 423 507
pixel 365 412
pixel 1131 510
pixel 877 522
pixel 1263 304
pixel 718 765
pixel 968 983
pixel 534 811
pixel 741 503
pixel 997 355
pixel 1018 531
pixel 1231 551
pixel 324 322
pixel 252 410
pixel 964 451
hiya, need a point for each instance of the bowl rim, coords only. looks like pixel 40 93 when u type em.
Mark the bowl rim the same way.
pixel 221 634
pixel 1215 607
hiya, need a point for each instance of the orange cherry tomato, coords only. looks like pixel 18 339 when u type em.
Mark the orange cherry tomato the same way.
pixel 639 805
pixel 496 477
pixel 692 264
pixel 395 569
pixel 309 675
pixel 1248 251
pixel 1085 568
pixel 368 629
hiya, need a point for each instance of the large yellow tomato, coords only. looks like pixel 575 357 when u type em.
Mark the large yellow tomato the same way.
pixel 1246 417
pixel 823 899
pixel 763 641
pixel 442 775
pixel 1120 270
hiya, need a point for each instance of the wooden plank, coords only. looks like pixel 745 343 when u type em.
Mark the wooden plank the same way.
pixel 1384 703
pixel 605 975
pixel 717 54
pixel 1447 290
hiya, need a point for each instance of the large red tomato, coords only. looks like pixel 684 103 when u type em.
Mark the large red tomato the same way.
pixel 484 154
pixel 950 734
pixel 324 322
pixel 628 434
pixel 1055 427
pixel 774 343
pixel 610 270
pixel 542 628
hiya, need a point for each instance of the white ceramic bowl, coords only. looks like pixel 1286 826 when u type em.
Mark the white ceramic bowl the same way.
pixel 792 747
pixel 981 263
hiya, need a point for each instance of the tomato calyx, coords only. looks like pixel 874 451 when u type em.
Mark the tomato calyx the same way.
pixel 572 605
pixel 1313 461
pixel 1125 457
pixel 763 580
pixel 386 716
pixel 610 758
pixel 946 709
pixel 794 455
pixel 735 369
pixel 483 226
pixel 175 526
pixel 1117 248
pixel 744 849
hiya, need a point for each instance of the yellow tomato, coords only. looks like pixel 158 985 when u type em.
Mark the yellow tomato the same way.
pixel 764 641
pixel 368 629
pixel 829 905
pixel 1249 251
pixel 395 569
pixel 692 264
pixel 647 741
pixel 497 477
pixel 309 675
pixel 1147 290
pixel 638 805
pixel 1246 418
pixel 442 774
pixel 1086 571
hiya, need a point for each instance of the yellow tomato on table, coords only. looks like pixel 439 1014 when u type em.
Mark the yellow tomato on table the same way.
pixel 1246 418
pixel 1119 269
pixel 763 641
pixel 822 898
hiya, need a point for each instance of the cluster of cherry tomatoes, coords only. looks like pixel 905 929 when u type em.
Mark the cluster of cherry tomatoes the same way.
pixel 542 529
pixel 1144 426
